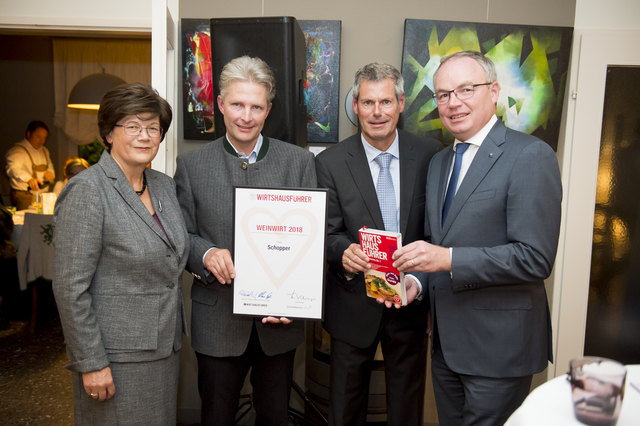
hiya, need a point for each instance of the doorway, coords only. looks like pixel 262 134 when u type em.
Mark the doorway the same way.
pixel 613 317
pixel 596 54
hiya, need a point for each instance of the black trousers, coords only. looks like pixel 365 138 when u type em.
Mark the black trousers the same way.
pixel 474 400
pixel 220 380
pixel 405 358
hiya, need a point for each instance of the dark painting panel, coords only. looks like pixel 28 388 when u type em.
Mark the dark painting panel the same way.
pixel 532 64
pixel 322 83
pixel 197 86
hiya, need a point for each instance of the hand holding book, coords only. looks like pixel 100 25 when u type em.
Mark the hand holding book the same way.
pixel 382 280
pixel 422 256
pixel 354 260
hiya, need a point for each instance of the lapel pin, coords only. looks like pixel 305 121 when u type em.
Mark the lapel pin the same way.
pixel 160 206
pixel 491 155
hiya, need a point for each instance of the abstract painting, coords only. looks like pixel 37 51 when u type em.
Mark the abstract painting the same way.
pixel 322 84
pixel 198 102
pixel 531 61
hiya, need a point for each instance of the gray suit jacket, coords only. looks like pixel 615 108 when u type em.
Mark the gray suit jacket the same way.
pixel 492 318
pixel 117 275
pixel 204 180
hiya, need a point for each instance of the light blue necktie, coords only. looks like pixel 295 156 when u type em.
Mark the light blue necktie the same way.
pixel 386 193
pixel 453 182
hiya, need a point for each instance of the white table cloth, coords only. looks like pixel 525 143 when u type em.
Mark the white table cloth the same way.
pixel 35 248
pixel 550 404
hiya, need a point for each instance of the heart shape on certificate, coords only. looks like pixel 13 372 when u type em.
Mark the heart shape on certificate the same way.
pixel 279 279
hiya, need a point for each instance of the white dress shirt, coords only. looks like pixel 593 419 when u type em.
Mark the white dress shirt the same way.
pixel 474 145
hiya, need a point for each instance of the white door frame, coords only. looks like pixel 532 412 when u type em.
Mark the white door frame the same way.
pixel 165 74
pixel 594 51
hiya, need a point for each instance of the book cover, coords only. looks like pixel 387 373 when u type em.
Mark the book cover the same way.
pixel 382 280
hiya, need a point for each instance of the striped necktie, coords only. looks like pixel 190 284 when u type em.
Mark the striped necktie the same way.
pixel 386 193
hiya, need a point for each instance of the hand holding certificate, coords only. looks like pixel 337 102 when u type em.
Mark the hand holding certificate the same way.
pixel 279 252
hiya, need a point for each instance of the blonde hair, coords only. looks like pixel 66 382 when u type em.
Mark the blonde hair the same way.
pixel 74 165
pixel 252 70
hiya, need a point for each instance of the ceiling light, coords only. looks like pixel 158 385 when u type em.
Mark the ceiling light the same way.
pixel 88 92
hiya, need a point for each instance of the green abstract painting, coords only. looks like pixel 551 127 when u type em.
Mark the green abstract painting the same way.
pixel 531 61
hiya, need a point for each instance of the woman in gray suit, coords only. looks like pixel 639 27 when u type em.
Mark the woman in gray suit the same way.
pixel 120 249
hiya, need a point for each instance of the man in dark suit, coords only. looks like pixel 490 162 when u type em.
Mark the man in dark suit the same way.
pixel 357 323
pixel 490 249
pixel 227 345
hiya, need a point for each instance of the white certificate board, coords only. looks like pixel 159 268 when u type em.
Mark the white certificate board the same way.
pixel 279 251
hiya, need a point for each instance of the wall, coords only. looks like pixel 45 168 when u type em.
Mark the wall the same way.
pixel 616 15
pixel 374 30
pixel 76 14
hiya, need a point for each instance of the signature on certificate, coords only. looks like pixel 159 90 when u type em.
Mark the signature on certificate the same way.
pixel 300 298
pixel 257 294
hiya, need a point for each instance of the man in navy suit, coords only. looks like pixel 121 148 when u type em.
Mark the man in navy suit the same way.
pixel 489 250
pixel 357 323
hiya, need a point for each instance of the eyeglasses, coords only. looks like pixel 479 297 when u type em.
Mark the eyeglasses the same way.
pixel 132 129
pixel 465 92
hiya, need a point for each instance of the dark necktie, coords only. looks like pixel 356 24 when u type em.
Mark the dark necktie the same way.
pixel 453 182
pixel 386 193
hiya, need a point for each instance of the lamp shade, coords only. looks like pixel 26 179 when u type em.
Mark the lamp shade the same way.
pixel 88 92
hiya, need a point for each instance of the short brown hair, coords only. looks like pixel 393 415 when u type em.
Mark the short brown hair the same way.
pixel 377 72
pixel 131 99
pixel 33 126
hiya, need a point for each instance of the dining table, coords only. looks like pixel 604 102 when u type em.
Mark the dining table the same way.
pixel 550 404
pixel 34 243
pixel 33 238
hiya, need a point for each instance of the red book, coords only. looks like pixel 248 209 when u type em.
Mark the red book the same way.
pixel 383 280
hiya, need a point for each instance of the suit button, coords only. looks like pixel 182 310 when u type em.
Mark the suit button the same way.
pixel 171 285
pixel 244 165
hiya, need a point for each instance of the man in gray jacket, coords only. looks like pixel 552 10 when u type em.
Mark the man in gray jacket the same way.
pixel 227 345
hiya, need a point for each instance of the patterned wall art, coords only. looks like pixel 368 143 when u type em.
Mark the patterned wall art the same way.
pixel 532 64
pixel 197 102
pixel 322 84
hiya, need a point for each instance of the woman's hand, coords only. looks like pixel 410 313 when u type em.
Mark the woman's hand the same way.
pixel 99 384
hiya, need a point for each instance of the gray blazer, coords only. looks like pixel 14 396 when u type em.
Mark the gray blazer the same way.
pixel 117 275
pixel 492 317
pixel 204 181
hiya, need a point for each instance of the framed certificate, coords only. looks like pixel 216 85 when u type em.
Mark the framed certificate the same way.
pixel 279 251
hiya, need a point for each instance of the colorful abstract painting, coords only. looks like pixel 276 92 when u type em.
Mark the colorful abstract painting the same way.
pixel 531 61
pixel 198 102
pixel 322 85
